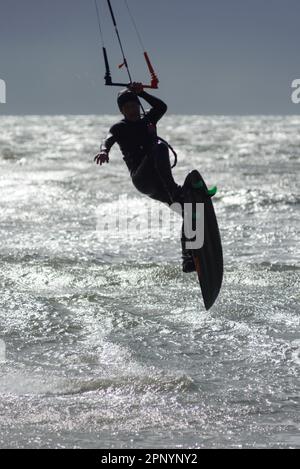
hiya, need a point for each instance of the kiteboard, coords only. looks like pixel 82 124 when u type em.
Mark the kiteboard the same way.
pixel 208 259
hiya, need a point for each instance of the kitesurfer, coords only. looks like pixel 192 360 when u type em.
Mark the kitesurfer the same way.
pixel 145 154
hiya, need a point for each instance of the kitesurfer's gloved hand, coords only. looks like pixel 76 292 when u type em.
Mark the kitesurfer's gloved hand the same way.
pixel 137 88
pixel 102 157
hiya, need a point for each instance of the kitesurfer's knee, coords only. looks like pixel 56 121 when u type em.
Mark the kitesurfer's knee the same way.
pixel 142 187
pixel 149 188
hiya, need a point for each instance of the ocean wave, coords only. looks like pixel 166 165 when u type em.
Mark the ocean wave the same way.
pixel 138 384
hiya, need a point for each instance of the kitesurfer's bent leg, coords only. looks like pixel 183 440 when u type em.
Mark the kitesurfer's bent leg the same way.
pixel 154 176
pixel 147 182
pixel 161 161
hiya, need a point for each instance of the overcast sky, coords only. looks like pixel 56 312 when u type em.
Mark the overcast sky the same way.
pixel 212 56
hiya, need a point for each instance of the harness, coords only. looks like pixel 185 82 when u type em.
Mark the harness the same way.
pixel 172 150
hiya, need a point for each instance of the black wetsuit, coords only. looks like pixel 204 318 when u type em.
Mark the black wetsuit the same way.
pixel 146 156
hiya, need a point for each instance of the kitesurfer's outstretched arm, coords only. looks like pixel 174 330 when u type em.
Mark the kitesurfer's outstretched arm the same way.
pixel 103 157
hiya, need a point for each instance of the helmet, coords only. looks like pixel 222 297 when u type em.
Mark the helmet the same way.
pixel 126 95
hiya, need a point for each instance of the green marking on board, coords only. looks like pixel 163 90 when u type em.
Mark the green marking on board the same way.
pixel 200 185
pixel 212 191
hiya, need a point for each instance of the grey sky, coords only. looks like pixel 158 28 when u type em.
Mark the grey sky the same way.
pixel 212 56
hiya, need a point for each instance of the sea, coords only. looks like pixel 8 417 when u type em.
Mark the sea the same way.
pixel 104 341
